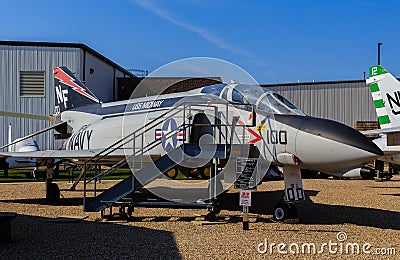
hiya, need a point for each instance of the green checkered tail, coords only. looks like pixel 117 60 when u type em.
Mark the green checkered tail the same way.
pixel 385 94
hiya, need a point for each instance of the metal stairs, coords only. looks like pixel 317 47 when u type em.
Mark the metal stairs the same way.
pixel 144 172
pixel 150 172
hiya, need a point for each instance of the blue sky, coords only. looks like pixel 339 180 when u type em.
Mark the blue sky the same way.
pixel 275 41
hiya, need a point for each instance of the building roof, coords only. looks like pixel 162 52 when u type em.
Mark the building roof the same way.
pixel 69 45
pixel 161 85
pixel 316 83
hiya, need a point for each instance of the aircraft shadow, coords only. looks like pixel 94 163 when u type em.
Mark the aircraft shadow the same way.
pixel 42 201
pixel 263 203
pixel 39 238
pixel 314 213
pixel 384 187
pixel 311 213
pixel 394 194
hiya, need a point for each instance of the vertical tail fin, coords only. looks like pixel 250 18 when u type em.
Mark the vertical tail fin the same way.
pixel 70 91
pixel 385 91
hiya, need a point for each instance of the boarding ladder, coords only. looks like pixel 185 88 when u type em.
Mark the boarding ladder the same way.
pixel 147 170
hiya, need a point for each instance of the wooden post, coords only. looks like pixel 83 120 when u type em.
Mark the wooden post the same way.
pixel 245 217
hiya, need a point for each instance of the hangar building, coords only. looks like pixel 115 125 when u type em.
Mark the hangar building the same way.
pixel 26 85
pixel 26 82
pixel 347 102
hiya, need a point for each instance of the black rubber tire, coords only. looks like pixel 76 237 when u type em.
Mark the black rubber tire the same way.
pixel 205 173
pixel 170 175
pixel 211 216
pixel 130 211
pixel 281 212
pixel 122 213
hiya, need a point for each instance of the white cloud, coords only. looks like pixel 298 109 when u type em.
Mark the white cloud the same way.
pixel 204 33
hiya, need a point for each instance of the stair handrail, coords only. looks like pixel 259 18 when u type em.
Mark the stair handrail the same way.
pixel 182 107
pixel 145 148
pixel 144 129
pixel 150 125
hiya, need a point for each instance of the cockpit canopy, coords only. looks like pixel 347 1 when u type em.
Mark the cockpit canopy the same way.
pixel 260 98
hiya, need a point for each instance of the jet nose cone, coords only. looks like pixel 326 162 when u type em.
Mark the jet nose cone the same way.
pixel 326 145
pixel 341 133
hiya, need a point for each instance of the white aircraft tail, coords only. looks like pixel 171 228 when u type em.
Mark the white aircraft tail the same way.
pixel 385 91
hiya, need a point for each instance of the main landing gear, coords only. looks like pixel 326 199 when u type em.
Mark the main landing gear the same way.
pixel 213 211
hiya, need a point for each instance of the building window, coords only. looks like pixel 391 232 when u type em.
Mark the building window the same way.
pixel 31 83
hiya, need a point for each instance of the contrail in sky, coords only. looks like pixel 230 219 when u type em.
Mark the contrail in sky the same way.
pixel 204 33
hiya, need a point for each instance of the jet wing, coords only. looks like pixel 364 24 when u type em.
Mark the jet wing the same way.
pixel 390 138
pixel 34 134
pixel 391 130
pixel 63 154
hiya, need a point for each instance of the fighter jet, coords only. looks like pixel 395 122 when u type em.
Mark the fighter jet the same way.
pixel 271 125
pixel 26 145
pixel 385 91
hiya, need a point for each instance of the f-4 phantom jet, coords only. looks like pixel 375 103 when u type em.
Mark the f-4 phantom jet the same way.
pixel 177 130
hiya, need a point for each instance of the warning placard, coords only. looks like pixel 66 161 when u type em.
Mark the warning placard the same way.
pixel 246 173
pixel 245 198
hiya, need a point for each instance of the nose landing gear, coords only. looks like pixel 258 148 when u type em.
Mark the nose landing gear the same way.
pixel 284 211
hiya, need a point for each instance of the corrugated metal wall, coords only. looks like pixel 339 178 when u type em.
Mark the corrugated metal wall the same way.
pixel 102 80
pixel 14 59
pixel 346 102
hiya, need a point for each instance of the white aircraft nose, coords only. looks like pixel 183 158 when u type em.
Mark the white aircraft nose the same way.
pixel 327 145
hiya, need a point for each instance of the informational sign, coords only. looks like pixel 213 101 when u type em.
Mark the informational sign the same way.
pixel 246 173
pixel 245 198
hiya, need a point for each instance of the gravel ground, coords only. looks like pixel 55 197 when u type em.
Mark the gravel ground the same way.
pixel 368 212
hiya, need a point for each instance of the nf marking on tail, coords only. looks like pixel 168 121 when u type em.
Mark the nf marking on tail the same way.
pixel 69 81
pixel 62 96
